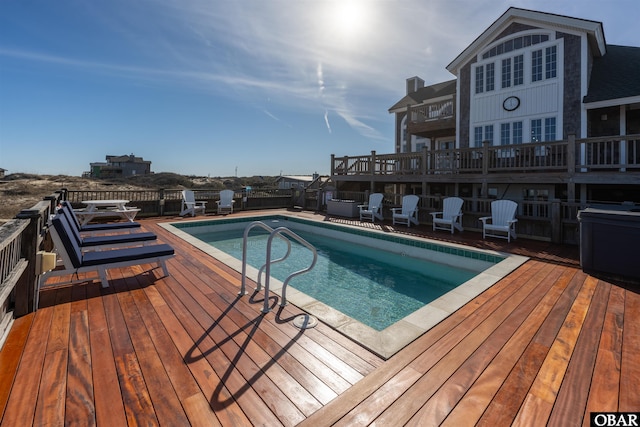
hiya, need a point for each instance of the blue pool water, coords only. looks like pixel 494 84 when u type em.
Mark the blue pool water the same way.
pixel 371 285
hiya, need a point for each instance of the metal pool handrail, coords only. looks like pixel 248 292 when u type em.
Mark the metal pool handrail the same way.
pixel 243 287
pixel 278 232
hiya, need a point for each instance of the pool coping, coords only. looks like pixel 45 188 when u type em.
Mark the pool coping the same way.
pixel 389 341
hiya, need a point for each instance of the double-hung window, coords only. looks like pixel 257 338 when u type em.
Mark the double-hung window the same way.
pixel 551 62
pixel 481 134
pixel 536 130
pixel 485 77
pixel 518 70
pixel 544 66
pixel 550 129
pixel 505 134
pixel 506 73
pixel 480 79
pixel 536 65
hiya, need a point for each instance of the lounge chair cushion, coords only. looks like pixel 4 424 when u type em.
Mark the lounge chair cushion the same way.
pixel 126 254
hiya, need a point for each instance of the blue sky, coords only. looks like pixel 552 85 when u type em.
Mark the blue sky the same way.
pixel 202 87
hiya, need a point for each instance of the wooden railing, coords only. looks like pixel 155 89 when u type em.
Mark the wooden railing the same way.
pixel 20 240
pixel 619 153
pixel 547 220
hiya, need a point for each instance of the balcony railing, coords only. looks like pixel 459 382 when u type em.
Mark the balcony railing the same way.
pixel 619 153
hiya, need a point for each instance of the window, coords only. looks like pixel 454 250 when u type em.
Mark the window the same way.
pixel 518 70
pixel 517 132
pixel 550 62
pixel 479 79
pixel 516 44
pixel 536 130
pixel 550 129
pixel 511 133
pixel 505 134
pixel 488 134
pixel 490 76
pixel 536 65
pixel 477 136
pixel 506 73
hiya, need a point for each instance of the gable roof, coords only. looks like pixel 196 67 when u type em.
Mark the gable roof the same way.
pixel 615 75
pixel 593 29
pixel 426 93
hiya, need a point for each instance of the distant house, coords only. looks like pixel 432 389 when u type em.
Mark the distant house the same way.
pixel 285 182
pixel 120 166
pixel 2 171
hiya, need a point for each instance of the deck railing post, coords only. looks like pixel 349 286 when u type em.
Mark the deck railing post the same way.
pixel 372 163
pixel 556 221
pixel 424 159
pixel 161 196
pixel 333 164
pixel 27 287
pixel 571 154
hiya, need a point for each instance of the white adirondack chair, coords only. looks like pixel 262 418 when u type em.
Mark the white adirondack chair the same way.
pixel 451 216
pixel 502 222
pixel 189 204
pixel 225 204
pixel 373 209
pixel 408 213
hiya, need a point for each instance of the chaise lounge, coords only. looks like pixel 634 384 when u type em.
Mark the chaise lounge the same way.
pixel 75 261
pixel 105 241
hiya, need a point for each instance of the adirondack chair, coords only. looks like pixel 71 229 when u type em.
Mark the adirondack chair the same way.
pixel 189 204
pixel 451 216
pixel 408 213
pixel 373 209
pixel 502 222
pixel 225 204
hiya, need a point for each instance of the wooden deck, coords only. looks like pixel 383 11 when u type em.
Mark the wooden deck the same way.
pixel 547 344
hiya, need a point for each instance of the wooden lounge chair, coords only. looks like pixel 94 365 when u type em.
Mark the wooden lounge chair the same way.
pixel 408 213
pixel 451 216
pixel 225 204
pixel 373 209
pixel 502 222
pixel 105 241
pixel 112 227
pixel 189 204
pixel 75 261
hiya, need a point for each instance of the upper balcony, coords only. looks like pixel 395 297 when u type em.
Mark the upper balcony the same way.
pixel 432 120
pixel 583 160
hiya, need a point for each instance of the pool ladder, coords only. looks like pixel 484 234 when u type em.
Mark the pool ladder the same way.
pixel 279 232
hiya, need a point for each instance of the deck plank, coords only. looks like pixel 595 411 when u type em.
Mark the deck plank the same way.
pixel 481 393
pixel 630 369
pixel 546 344
pixel 438 407
pixel 604 393
pixel 10 356
pixel 507 402
pixel 108 401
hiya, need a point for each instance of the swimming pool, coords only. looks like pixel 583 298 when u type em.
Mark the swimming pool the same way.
pixel 382 299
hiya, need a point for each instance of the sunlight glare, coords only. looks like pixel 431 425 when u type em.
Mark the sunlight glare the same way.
pixel 349 17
